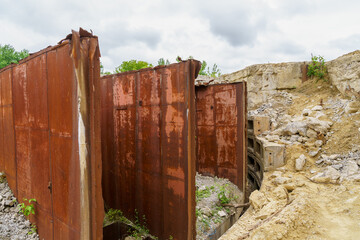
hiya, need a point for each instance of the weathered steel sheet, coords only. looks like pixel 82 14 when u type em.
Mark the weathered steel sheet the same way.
pixel 221 131
pixel 8 145
pixel 149 150
pixel 40 102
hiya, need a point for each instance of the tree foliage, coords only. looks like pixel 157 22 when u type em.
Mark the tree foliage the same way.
pixel 162 61
pixel 132 65
pixel 204 70
pixel 8 55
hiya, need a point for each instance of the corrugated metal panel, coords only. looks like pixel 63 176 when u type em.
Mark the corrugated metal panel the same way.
pixel 41 155
pixel 221 131
pixel 151 166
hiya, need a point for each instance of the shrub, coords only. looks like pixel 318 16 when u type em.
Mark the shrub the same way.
pixel 317 67
pixel 132 65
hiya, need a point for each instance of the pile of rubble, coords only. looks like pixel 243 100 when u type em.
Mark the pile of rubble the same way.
pixel 316 190
pixel 338 168
pixel 216 202
pixel 13 224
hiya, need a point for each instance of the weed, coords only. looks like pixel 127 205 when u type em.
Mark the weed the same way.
pixel 317 67
pixel 139 230
pixel 136 230
pixel 222 195
pixel 206 222
pixel 27 209
pixel 33 229
pixel 205 193
pixel 2 177
pixel 198 212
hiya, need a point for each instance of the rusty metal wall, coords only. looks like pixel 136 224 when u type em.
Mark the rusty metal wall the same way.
pixel 40 138
pixel 7 144
pixel 148 148
pixel 221 112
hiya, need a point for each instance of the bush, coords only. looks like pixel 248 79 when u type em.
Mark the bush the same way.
pixel 132 65
pixel 317 68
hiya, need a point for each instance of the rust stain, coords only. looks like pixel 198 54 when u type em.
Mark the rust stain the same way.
pixel 177 187
pixel 221 131
pixel 150 153
pixel 39 120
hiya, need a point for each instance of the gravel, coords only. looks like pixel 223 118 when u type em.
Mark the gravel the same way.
pixel 13 224
pixel 209 210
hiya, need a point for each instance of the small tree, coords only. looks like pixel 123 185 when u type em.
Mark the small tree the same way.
pixel 214 72
pixel 317 67
pixel 162 61
pixel 8 55
pixel 132 65
pixel 205 70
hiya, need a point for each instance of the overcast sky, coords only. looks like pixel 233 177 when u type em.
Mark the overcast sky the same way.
pixel 232 33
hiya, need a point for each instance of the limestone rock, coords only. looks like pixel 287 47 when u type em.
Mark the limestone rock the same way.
pixel 306 112
pixel 317 108
pixel 337 166
pixel 280 193
pixel 293 128
pixel 314 153
pixel 281 180
pixel 300 162
pixel 257 199
pixel 344 73
pixel 294 138
pixel 222 213
pixel 289 187
pixel 272 138
pixel 318 143
pixel 268 210
pixel 350 168
pixel 352 107
pixel 265 79
pixel 329 175
pixel 355 177
pixel 318 125
pixel 311 133
pixel 334 156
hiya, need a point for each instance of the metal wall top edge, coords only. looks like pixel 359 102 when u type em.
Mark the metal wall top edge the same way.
pixel 147 69
pixel 63 42
pixel 197 85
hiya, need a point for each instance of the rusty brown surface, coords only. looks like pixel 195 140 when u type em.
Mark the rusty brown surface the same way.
pixel 7 128
pixel 221 131
pixel 39 121
pixel 304 70
pixel 148 148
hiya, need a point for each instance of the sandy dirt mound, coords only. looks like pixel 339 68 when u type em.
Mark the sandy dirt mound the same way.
pixel 316 195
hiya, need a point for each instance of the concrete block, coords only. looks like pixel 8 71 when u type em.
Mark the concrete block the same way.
pixel 258 125
pixel 273 154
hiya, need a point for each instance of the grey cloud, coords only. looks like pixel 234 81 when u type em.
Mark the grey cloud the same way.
pixel 235 21
pixel 288 48
pixel 236 29
pixel 119 36
pixel 349 43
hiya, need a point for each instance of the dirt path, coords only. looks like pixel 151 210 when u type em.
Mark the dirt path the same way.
pixel 339 210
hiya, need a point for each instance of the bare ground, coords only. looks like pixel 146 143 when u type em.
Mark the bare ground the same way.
pixel 294 204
